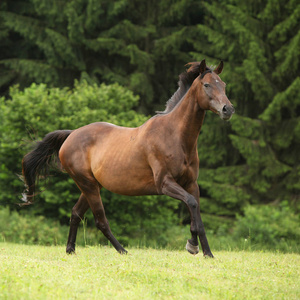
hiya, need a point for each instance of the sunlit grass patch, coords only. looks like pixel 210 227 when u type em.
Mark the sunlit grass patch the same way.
pixel 36 272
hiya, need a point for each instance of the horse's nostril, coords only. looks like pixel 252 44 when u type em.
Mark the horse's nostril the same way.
pixel 228 109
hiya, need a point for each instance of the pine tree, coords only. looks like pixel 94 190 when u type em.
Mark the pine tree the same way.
pixel 144 46
pixel 260 43
pixel 141 45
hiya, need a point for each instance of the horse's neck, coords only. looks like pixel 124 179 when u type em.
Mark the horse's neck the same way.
pixel 187 118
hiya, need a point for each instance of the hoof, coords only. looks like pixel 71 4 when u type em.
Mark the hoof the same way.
pixel 192 249
pixel 122 251
pixel 70 251
pixel 209 255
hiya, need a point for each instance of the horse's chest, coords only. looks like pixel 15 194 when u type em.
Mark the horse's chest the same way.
pixel 187 175
pixel 184 169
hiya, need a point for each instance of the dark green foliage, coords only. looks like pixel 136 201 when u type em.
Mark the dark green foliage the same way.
pixel 133 43
pixel 262 228
pixel 257 159
pixel 253 159
pixel 156 216
pixel 28 229
pixel 37 110
pixel 268 227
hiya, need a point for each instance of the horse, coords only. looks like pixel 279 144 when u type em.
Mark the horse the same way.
pixel 157 158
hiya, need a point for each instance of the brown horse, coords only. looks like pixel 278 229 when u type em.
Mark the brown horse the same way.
pixel 158 158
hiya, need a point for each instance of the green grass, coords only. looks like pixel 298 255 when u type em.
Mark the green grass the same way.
pixel 38 272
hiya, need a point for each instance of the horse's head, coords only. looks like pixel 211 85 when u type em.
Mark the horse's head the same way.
pixel 211 91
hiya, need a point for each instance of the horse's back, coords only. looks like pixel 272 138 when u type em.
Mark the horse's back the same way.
pixel 83 139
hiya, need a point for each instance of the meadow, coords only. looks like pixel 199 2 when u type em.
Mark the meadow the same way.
pixel 46 272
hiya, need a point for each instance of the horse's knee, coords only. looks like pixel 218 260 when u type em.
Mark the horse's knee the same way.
pixel 192 203
pixel 75 218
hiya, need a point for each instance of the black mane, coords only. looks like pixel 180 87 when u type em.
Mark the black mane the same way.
pixel 185 81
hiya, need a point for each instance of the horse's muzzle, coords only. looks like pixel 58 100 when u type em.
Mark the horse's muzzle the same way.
pixel 227 112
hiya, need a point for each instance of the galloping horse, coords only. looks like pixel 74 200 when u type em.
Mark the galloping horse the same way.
pixel 158 158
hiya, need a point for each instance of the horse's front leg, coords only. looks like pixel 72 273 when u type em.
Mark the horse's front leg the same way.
pixel 171 188
pixel 198 230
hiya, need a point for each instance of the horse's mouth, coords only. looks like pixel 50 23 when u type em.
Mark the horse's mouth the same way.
pixel 226 118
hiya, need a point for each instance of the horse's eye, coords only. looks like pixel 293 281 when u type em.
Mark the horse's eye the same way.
pixel 206 85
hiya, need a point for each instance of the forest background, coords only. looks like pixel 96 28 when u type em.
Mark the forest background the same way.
pixel 65 64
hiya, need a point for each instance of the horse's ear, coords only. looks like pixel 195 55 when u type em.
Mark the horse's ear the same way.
pixel 219 68
pixel 202 66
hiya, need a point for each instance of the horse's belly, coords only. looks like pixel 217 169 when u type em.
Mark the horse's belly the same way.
pixel 125 175
pixel 128 182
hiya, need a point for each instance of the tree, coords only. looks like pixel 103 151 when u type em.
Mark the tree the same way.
pixel 259 42
pixel 144 45
pixel 137 44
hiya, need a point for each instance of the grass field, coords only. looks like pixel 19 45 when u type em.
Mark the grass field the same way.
pixel 36 272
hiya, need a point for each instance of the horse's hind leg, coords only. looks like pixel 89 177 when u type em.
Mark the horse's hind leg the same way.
pixel 91 191
pixel 78 212
pixel 102 224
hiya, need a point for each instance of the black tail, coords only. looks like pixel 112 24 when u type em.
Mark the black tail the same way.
pixel 36 162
